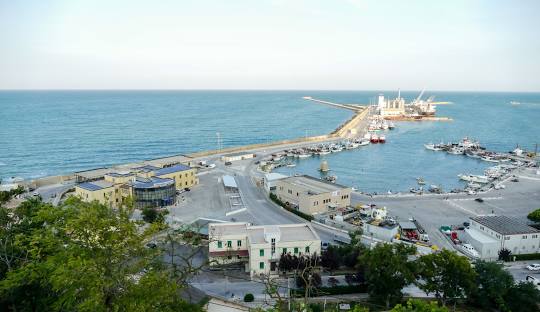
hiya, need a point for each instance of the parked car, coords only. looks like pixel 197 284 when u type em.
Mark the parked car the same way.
pixel 480 200
pixel 324 246
pixel 151 245
pixel 35 194
pixel 466 224
pixel 533 267
pixel 228 163
pixel 187 189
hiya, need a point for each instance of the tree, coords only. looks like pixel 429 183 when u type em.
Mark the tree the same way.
pixel 534 215
pixel 445 274
pixel 86 257
pixel 388 270
pixel 415 305
pixel 152 215
pixel 505 255
pixel 523 297
pixel 493 284
pixel 249 298
pixel 330 258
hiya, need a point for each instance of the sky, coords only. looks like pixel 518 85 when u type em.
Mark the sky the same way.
pixel 469 45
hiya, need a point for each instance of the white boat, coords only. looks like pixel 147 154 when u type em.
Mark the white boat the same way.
pixel 382 139
pixel 420 181
pixel 391 125
pixel 473 178
pixel 473 185
pixel 456 151
pixel 291 165
pixel 304 155
pixel 374 138
pixel 363 142
pixel 469 250
pixel 324 152
pixel 433 147
pixel 517 151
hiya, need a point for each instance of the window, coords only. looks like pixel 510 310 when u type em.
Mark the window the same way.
pixel 524 237
pixel 307 249
pixel 284 250
pixel 273 245
pixel 261 265
pixel 229 244
pixel 482 228
pixel 219 244
pixel 507 238
pixel 261 252
pixel 535 236
pixel 295 250
pixel 289 191
pixel 239 243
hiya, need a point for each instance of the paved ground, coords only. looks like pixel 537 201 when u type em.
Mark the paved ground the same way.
pixel 432 211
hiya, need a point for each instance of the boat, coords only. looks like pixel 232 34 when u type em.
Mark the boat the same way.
pixel 433 147
pixel 420 181
pixel 382 139
pixel 473 185
pixel 363 142
pixel 434 189
pixel 391 126
pixel 303 155
pixel 469 250
pixel 514 103
pixel 324 166
pixel 374 138
pixel 291 164
pixel 331 179
pixel 474 153
pixel 517 151
pixel 456 150
pixel 473 178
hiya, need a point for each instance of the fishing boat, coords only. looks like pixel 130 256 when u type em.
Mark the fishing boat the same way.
pixel 433 147
pixel 456 150
pixel 290 165
pixel 374 138
pixel 473 185
pixel 303 155
pixel 331 179
pixel 420 181
pixel 363 142
pixel 473 178
pixel 382 139
pixel 391 125
pixel 434 189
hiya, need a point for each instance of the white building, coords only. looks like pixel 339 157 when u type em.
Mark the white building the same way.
pixel 270 181
pixel 260 247
pixel 237 156
pixel 389 108
pixel 489 234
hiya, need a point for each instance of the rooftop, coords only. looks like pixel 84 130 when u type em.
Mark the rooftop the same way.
pixel 273 176
pixel 504 225
pixel 119 174
pixel 229 181
pixel 228 228
pixel 167 161
pixel 95 185
pixel 314 185
pixel 152 182
pixel 237 154
pixel 146 168
pixel 481 237
pixel 172 169
pixel 287 233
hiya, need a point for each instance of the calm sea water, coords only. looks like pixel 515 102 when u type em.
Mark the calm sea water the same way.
pixel 54 132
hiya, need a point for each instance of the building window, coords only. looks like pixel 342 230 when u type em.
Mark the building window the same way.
pixel 535 236
pixel 295 250
pixel 307 249
pixel 219 244
pixel 482 228
pixel 273 246
pixel 229 244
pixel 507 238
pixel 261 252
pixel 524 237
pixel 239 243
pixel 261 265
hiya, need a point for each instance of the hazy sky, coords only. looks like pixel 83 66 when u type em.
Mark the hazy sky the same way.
pixel 270 44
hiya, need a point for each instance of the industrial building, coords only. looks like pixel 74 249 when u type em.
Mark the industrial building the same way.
pixel 489 234
pixel 149 186
pixel 269 181
pixel 391 108
pixel 311 195
pixel 260 247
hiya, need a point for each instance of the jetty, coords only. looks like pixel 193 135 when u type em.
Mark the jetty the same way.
pixel 353 107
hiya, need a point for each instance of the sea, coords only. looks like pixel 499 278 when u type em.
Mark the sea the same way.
pixel 44 133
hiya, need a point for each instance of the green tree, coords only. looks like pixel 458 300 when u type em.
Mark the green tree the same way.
pixel 388 270
pixel 86 257
pixel 493 284
pixel 419 306
pixel 523 297
pixel 534 215
pixel 445 274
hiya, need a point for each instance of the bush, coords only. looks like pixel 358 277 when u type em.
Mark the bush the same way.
pixel 534 215
pixel 505 255
pixel 535 256
pixel 249 298
pixel 276 200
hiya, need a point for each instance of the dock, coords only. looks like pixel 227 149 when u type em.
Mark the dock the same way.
pixel 353 107
pixel 417 118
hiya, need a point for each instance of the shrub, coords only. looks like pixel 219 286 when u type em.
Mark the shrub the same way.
pixel 276 200
pixel 505 255
pixel 249 298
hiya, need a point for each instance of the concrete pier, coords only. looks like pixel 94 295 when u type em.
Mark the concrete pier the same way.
pixel 353 107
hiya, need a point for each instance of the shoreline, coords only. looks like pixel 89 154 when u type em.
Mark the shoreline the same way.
pixel 361 113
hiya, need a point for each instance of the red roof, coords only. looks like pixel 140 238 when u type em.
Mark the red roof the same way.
pixel 241 253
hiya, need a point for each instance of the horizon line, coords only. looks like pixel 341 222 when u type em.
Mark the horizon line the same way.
pixel 234 89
